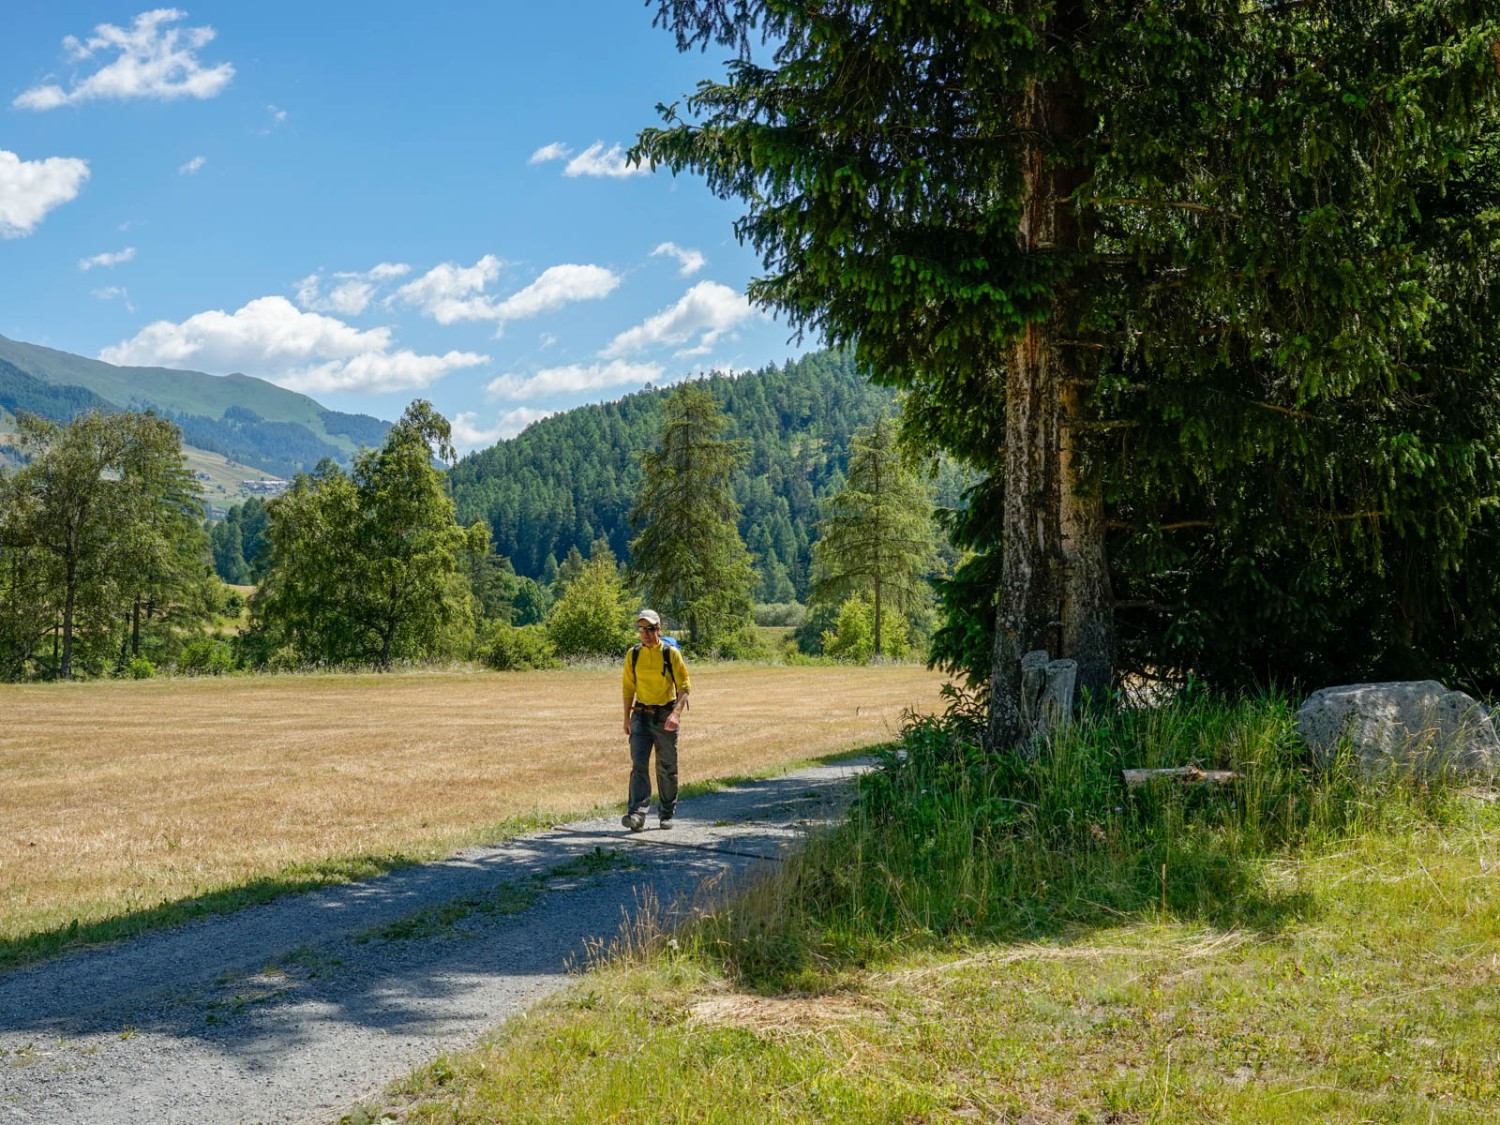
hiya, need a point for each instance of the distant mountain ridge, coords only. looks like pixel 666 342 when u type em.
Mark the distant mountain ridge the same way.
pixel 247 420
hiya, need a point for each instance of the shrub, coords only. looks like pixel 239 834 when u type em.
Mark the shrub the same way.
pixel 592 617
pixel 136 668
pixel 780 613
pixel 852 637
pixel 206 656
pixel 517 648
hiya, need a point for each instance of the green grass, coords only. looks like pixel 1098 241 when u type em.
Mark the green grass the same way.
pixel 1002 941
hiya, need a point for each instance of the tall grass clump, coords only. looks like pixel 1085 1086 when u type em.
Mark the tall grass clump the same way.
pixel 947 842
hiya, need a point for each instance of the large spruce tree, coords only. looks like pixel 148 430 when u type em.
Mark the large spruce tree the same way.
pixel 689 559
pixel 1122 250
pixel 877 531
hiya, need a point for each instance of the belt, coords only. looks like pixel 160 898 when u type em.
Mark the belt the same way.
pixel 654 706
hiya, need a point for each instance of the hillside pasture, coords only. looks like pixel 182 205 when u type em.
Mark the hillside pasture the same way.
pixel 133 804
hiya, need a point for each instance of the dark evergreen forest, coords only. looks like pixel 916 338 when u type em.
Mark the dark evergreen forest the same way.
pixel 571 479
pixel 20 391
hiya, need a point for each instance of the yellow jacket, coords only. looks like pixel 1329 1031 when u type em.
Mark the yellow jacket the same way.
pixel 647 680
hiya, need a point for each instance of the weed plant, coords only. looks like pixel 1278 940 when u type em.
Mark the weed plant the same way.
pixel 949 843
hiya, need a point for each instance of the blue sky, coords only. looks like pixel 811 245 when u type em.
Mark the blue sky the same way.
pixel 368 202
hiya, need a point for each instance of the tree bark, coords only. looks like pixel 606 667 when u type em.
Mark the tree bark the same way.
pixel 1054 589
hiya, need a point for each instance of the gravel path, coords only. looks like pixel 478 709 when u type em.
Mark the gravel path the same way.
pixel 291 1011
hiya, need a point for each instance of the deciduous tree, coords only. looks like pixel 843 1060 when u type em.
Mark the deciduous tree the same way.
pixel 102 522
pixel 365 567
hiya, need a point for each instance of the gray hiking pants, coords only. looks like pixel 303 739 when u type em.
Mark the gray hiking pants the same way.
pixel 646 731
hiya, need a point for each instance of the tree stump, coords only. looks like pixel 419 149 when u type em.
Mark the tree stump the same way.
pixel 1047 688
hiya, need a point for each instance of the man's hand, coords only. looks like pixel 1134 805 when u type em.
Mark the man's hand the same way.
pixel 671 723
pixel 627 726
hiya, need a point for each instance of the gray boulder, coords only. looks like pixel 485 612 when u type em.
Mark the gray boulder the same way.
pixel 1417 727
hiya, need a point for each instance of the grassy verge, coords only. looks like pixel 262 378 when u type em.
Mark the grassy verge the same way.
pixel 1008 941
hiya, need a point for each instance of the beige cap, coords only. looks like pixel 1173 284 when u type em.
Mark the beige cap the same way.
pixel 650 617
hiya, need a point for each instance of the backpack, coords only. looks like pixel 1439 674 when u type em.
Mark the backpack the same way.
pixel 666 658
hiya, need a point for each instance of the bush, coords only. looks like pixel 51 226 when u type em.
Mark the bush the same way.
pixel 780 613
pixel 512 648
pixel 206 656
pixel 592 617
pixel 853 635
pixel 136 668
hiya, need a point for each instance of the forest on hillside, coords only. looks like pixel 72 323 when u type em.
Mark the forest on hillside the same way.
pixel 572 479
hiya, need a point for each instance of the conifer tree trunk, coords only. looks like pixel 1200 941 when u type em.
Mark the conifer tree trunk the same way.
pixel 1054 590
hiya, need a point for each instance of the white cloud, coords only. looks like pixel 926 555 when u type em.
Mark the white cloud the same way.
pixel 192 166
pixel 108 258
pixel 271 338
pixel 153 61
pixel 446 293
pixel 558 286
pixel 555 151
pixel 559 380
pixel 449 293
pixel 31 188
pixel 113 292
pixel 690 261
pixel 351 293
pixel 596 160
pixel 467 433
pixel 706 311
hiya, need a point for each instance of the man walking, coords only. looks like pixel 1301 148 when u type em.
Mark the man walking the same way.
pixel 656 690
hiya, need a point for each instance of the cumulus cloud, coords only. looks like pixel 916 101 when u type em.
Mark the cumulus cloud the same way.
pixel 31 188
pixel 151 60
pixel 596 160
pixel 450 293
pixel 573 378
pixel 558 286
pixel 107 259
pixel 705 312
pixel 468 434
pixel 555 151
pixel 351 292
pixel 688 261
pixel 191 166
pixel 273 339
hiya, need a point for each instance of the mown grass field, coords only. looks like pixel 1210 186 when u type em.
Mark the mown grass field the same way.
pixel 132 804
pixel 1002 941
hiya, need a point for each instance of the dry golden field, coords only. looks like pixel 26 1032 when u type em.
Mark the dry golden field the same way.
pixel 119 797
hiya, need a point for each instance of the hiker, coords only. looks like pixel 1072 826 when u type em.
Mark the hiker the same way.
pixel 656 691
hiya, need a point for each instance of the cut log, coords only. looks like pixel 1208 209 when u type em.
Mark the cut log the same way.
pixel 1183 775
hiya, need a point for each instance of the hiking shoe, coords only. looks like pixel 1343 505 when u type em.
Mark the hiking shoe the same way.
pixel 665 822
pixel 633 821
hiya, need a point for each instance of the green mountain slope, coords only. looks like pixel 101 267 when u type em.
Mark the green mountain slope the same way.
pixel 572 478
pixel 242 418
